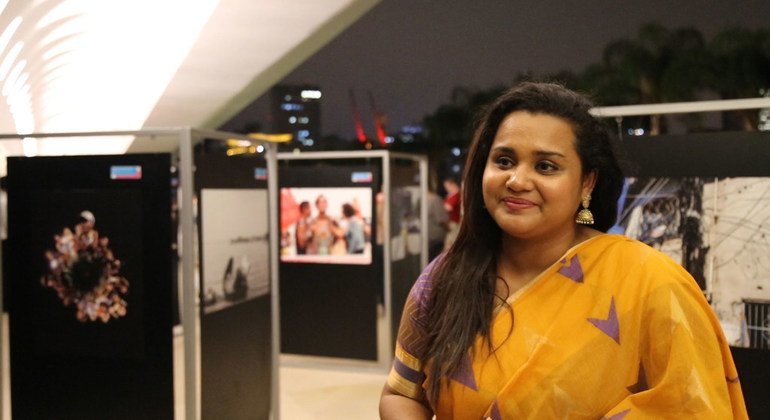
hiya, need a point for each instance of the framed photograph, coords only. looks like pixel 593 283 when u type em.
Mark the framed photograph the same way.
pixel 717 229
pixel 326 225
pixel 235 244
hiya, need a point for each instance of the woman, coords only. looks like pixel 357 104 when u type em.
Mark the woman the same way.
pixel 324 230
pixel 535 312
pixel 353 228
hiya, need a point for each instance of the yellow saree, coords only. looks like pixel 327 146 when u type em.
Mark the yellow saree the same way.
pixel 614 330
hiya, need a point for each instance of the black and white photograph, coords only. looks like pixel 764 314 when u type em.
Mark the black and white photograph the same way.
pixel 235 239
pixel 719 230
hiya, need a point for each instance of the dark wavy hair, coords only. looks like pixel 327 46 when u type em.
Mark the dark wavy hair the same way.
pixel 463 294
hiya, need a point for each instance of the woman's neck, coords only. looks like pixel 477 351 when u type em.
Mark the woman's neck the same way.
pixel 521 260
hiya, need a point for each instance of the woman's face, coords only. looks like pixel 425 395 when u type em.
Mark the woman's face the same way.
pixel 533 181
pixel 321 204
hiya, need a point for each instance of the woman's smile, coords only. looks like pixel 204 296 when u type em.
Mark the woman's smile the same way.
pixel 518 203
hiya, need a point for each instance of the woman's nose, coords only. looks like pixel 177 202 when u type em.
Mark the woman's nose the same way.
pixel 518 179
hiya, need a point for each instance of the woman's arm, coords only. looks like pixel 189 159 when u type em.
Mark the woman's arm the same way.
pixel 396 406
pixel 403 396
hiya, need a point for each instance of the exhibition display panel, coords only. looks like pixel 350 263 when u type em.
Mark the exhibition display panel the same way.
pixel 89 291
pixel 95 247
pixel 235 328
pixel 703 200
pixel 348 221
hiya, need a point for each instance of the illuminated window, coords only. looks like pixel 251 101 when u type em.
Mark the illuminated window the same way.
pixel 310 94
pixel 292 107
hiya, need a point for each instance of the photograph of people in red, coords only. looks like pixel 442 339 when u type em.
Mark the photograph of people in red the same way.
pixel 326 225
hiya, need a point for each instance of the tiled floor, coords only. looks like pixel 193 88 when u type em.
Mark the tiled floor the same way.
pixel 329 393
pixel 308 390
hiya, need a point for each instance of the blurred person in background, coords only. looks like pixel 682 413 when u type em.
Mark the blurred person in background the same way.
pixel 453 206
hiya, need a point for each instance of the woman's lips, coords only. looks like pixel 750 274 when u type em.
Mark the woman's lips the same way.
pixel 518 203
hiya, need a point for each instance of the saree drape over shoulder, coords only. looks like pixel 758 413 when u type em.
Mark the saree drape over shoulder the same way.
pixel 614 330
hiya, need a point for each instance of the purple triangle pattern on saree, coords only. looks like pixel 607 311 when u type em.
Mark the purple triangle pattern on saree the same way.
pixel 573 271
pixel 617 416
pixel 465 374
pixel 609 326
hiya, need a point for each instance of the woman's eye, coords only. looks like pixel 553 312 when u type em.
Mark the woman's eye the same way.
pixel 504 161
pixel 546 167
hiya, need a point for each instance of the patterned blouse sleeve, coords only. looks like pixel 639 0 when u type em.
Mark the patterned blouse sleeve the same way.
pixel 406 375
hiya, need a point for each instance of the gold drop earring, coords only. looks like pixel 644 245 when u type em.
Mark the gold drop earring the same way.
pixel 585 217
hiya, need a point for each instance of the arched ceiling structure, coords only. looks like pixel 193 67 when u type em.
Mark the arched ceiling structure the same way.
pixel 104 65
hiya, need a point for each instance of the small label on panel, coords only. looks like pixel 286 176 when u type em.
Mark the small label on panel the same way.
pixel 362 177
pixel 260 174
pixel 125 172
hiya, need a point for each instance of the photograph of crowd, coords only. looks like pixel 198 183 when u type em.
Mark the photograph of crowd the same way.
pixel 85 274
pixel 235 238
pixel 326 225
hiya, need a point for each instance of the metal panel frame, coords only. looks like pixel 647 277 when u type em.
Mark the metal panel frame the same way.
pixel 384 344
pixel 186 138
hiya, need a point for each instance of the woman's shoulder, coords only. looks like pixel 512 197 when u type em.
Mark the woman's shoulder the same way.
pixel 420 294
pixel 424 283
pixel 620 246
pixel 629 257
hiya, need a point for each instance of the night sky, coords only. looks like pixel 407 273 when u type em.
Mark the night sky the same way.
pixel 411 53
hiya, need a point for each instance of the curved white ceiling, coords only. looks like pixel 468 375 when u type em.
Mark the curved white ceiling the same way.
pixel 102 65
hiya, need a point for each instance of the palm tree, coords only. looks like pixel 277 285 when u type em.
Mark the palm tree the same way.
pixel 739 62
pixel 659 66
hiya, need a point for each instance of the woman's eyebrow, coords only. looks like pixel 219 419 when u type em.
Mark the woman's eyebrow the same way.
pixel 544 153
pixel 548 153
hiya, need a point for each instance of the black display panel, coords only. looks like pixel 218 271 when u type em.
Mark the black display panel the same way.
pixel 89 285
pixel 754 373
pixel 236 323
pixel 725 154
pixel 700 197
pixel 331 309
pixel 703 200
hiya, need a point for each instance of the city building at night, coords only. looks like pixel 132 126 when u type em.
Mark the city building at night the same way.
pixel 296 109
